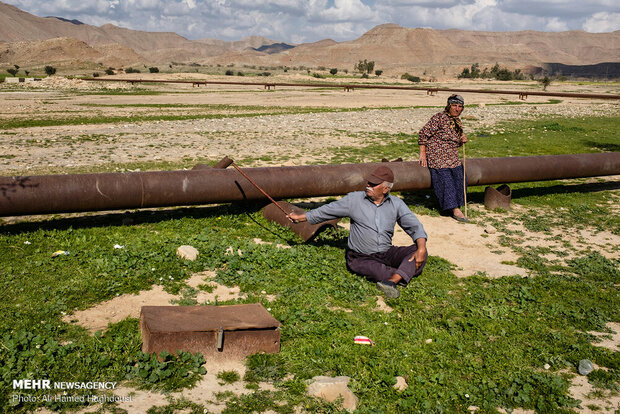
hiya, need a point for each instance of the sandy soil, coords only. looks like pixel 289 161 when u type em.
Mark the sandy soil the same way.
pixel 288 139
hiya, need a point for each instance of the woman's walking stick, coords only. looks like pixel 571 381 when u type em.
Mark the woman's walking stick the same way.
pixel 464 181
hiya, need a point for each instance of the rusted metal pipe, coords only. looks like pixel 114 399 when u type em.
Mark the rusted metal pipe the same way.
pixel 111 191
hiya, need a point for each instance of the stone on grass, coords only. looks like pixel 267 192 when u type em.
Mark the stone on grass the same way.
pixel 401 384
pixel 330 389
pixel 187 252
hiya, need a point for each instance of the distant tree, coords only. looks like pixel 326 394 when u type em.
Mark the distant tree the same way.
pixel 378 72
pixel 109 71
pixel 333 71
pixel 504 75
pixel 475 70
pixel 473 73
pixel 95 74
pixel 546 81
pixel 154 69
pixel 12 71
pixel 365 66
pixel 132 70
pixel 16 67
pixel 229 72
pixel 410 78
pixel 465 74
pixel 50 70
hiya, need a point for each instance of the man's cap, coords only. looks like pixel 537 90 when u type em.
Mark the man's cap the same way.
pixel 456 99
pixel 381 174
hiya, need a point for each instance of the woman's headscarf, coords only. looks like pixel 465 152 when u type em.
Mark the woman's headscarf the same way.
pixel 455 121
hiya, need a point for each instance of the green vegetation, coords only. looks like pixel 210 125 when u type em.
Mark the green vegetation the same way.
pixel 490 337
pixel 496 72
pixel 50 70
pixel 232 112
pixel 365 66
pixel 546 136
pixel 410 78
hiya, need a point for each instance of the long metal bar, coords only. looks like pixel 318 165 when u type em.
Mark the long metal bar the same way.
pixel 260 189
pixel 367 86
pixel 44 194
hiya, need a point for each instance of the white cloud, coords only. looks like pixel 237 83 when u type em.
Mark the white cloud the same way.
pixel 347 10
pixel 555 25
pixel 311 20
pixel 602 22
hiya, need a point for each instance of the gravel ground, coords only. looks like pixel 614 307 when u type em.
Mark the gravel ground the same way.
pixel 285 139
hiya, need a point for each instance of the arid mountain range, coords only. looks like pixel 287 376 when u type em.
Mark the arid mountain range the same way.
pixel 28 40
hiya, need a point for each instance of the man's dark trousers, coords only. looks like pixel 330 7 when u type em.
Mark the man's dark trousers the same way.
pixel 379 267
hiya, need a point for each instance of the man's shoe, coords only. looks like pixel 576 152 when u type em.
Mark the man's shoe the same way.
pixel 389 289
pixel 461 219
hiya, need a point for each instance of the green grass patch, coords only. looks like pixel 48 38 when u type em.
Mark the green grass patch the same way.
pixel 489 337
pixel 546 136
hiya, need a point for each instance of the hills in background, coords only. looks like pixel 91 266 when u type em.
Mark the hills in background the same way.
pixel 26 39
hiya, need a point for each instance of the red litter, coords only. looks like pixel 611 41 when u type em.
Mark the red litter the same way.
pixel 363 340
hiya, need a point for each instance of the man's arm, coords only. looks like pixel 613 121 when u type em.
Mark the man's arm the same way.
pixel 335 209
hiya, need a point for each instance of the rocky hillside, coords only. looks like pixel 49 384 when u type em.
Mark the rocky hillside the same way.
pixel 30 40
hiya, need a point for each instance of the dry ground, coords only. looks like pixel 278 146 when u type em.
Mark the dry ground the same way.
pixel 287 139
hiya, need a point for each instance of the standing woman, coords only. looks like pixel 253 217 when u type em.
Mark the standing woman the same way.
pixel 439 142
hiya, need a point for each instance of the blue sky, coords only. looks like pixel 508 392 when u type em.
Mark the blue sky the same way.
pixel 298 21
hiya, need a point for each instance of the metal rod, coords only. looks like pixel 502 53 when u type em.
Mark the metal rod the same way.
pixel 464 181
pixel 259 189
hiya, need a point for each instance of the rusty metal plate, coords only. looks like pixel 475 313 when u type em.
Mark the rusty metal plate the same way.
pixel 497 198
pixel 230 331
pixel 304 229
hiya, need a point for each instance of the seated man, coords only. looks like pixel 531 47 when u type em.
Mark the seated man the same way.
pixel 373 214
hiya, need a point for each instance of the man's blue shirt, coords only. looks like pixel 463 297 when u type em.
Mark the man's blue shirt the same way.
pixel 372 226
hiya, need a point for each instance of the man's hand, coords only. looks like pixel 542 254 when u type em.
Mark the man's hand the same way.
pixel 296 217
pixel 464 138
pixel 419 254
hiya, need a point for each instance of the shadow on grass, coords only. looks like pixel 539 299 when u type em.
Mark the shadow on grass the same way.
pixel 607 146
pixel 133 217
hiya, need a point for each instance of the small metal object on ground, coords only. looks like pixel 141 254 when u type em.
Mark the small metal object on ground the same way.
pixel 229 331
pixel 223 164
pixel 497 198
pixel 304 229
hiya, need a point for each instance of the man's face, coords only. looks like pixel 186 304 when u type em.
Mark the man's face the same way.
pixel 455 109
pixel 375 191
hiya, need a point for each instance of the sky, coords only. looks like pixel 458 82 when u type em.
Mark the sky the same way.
pixel 299 21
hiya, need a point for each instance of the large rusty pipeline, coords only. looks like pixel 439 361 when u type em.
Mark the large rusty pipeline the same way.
pixel 44 194
pixel 352 86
